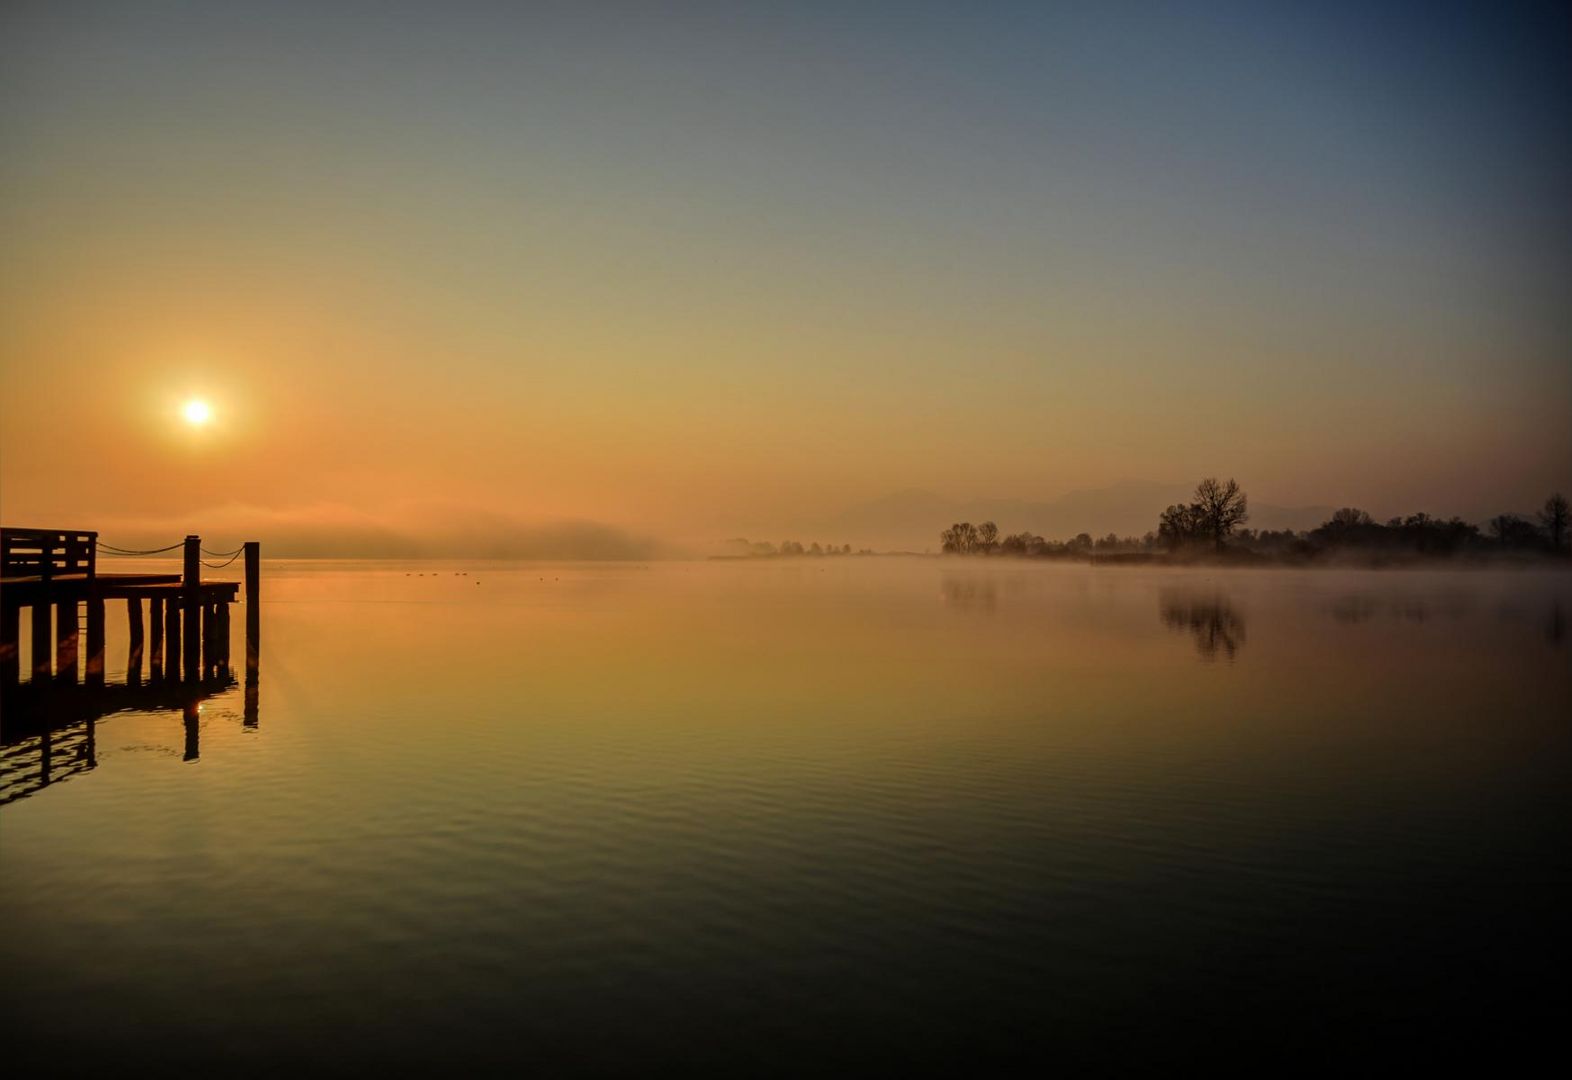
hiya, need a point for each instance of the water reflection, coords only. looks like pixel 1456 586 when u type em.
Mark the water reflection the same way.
pixel 669 807
pixel 1217 627
pixel 968 593
pixel 1358 608
pixel 1354 609
pixel 50 732
pixel 191 715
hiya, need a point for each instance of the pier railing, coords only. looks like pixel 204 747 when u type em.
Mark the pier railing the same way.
pixel 47 553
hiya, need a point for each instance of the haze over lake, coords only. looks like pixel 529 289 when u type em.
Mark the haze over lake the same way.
pixel 870 812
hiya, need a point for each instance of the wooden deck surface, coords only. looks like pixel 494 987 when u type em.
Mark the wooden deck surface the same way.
pixel 23 589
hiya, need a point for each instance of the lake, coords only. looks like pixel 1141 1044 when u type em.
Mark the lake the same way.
pixel 791 816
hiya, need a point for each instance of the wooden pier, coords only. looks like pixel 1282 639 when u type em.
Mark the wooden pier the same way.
pixel 175 658
pixel 54 571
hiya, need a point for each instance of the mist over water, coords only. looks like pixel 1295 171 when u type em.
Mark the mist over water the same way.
pixel 788 815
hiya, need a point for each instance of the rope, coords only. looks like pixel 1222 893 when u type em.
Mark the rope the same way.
pixel 109 549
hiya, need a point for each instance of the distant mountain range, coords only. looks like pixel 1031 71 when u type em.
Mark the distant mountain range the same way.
pixel 912 519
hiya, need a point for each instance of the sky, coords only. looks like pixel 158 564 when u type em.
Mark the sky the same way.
pixel 676 272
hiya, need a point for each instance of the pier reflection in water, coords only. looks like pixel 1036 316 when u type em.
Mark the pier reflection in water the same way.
pixel 51 719
pixel 51 735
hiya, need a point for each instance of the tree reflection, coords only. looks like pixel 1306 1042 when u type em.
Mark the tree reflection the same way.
pixel 1215 624
pixel 969 593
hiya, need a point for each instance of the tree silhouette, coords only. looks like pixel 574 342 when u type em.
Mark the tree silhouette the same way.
pixel 1512 531
pixel 1176 526
pixel 1553 518
pixel 964 538
pixel 1349 518
pixel 1220 508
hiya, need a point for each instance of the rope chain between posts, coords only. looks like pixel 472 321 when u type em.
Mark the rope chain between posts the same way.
pixel 110 549
pixel 128 552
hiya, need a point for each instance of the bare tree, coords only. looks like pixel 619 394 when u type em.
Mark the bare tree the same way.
pixel 960 538
pixel 987 537
pixel 1553 518
pixel 1220 508
pixel 1176 526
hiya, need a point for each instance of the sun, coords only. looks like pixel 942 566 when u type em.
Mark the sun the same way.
pixel 196 412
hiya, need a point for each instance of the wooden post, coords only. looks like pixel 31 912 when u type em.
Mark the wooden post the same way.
pixel 95 640
pixel 209 638
pixel 68 633
pixel 10 643
pixel 171 639
pixel 214 648
pixel 134 653
pixel 190 588
pixel 206 635
pixel 253 610
pixel 155 612
pixel 223 637
pixel 43 641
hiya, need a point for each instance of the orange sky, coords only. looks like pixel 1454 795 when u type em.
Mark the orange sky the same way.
pixel 694 280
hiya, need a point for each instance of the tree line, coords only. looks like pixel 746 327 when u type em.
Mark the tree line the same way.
pixel 741 547
pixel 1213 521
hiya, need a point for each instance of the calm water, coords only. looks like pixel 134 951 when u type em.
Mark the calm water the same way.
pixel 799 816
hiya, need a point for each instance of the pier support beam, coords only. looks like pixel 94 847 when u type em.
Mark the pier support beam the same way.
pixel 43 642
pixel 134 651
pixel 68 633
pixel 191 585
pixel 171 639
pixel 155 663
pixel 223 638
pixel 10 643
pixel 95 641
pixel 209 638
